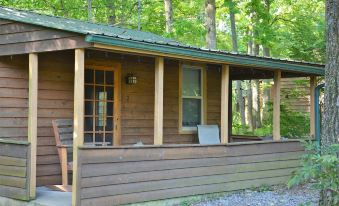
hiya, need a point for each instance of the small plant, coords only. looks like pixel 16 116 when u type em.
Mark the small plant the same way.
pixel 263 188
pixel 322 167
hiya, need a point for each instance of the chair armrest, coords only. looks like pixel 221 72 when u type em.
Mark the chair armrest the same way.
pixel 64 146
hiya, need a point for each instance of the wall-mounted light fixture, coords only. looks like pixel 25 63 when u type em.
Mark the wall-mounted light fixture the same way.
pixel 131 79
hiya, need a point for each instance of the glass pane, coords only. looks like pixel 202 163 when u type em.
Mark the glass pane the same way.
pixel 88 137
pixel 99 124
pixel 110 93
pixel 89 76
pixel 109 77
pixel 89 92
pixel 191 82
pixel 109 139
pixel 191 114
pixel 88 124
pixel 109 125
pixel 100 94
pixel 88 108
pixel 99 77
pixel 110 108
pixel 99 137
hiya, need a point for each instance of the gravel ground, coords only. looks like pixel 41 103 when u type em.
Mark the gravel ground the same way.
pixel 277 196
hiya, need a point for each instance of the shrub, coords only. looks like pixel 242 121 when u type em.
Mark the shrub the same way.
pixel 322 168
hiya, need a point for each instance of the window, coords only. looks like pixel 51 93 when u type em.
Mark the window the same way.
pixel 99 104
pixel 191 99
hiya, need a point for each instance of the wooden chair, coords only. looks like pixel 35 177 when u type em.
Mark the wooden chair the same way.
pixel 63 132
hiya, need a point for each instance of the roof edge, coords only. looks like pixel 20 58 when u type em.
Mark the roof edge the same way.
pixel 207 55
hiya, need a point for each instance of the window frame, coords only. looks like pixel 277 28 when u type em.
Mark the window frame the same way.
pixel 202 97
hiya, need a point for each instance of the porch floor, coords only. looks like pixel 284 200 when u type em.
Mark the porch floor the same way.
pixel 47 197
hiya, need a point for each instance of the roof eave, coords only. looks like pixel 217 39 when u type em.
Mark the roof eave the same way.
pixel 206 55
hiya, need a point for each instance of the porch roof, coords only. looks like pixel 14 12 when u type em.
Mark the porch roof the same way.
pixel 148 42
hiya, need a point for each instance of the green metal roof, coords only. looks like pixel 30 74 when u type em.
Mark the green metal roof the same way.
pixel 128 38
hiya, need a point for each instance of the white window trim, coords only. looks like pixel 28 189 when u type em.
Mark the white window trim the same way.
pixel 202 68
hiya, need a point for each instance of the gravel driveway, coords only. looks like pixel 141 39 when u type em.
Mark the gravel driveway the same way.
pixel 279 196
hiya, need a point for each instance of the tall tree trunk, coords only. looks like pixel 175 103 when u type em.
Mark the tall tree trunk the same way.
pixel 89 11
pixel 330 124
pixel 168 15
pixel 238 89
pixel 139 15
pixel 250 106
pixel 257 116
pixel 111 12
pixel 211 36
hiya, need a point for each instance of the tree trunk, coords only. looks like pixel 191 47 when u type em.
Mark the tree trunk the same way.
pixel 89 11
pixel 257 116
pixel 168 15
pixel 238 90
pixel 111 12
pixel 211 36
pixel 330 124
pixel 250 106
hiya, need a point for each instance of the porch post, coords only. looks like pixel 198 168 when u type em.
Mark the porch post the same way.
pixel 32 120
pixel 158 101
pixel 78 121
pixel 276 105
pixel 225 92
pixel 313 84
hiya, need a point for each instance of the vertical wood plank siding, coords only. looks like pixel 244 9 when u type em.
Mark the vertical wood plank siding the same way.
pixel 14 169
pixel 19 38
pixel 137 174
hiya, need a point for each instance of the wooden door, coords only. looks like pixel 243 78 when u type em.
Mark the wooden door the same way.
pixel 102 105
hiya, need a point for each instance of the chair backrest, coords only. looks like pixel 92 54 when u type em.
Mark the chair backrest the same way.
pixel 63 132
pixel 208 134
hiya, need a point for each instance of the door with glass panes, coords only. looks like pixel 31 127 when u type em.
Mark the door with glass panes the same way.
pixel 102 107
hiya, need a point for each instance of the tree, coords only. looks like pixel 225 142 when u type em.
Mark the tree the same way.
pixel 330 124
pixel 239 95
pixel 111 12
pixel 211 35
pixel 168 15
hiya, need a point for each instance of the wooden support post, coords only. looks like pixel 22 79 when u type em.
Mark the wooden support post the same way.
pixel 32 120
pixel 78 121
pixel 225 92
pixel 276 105
pixel 313 84
pixel 158 102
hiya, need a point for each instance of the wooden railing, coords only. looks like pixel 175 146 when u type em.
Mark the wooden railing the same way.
pixel 14 168
pixel 122 175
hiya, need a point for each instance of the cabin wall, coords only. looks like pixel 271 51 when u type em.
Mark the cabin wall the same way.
pixel 14 169
pixel 116 176
pixel 13 97
pixel 20 38
pixel 55 101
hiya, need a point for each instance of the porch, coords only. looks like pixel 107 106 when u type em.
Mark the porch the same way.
pixel 112 111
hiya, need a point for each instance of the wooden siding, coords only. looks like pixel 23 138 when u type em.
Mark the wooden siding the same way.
pixel 138 174
pixel 14 169
pixel 299 103
pixel 19 38
pixel 13 97
pixel 55 101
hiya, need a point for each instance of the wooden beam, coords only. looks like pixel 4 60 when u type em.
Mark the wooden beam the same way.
pixel 158 102
pixel 32 120
pixel 225 92
pixel 78 131
pixel 313 84
pixel 276 105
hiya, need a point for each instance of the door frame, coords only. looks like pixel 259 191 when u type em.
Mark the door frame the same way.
pixel 116 68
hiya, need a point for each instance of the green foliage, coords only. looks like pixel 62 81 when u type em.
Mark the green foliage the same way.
pixel 263 188
pixel 293 124
pixel 322 167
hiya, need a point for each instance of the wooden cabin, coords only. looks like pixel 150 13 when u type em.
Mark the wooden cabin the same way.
pixel 122 87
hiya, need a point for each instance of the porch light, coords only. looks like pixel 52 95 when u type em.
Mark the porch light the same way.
pixel 131 79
